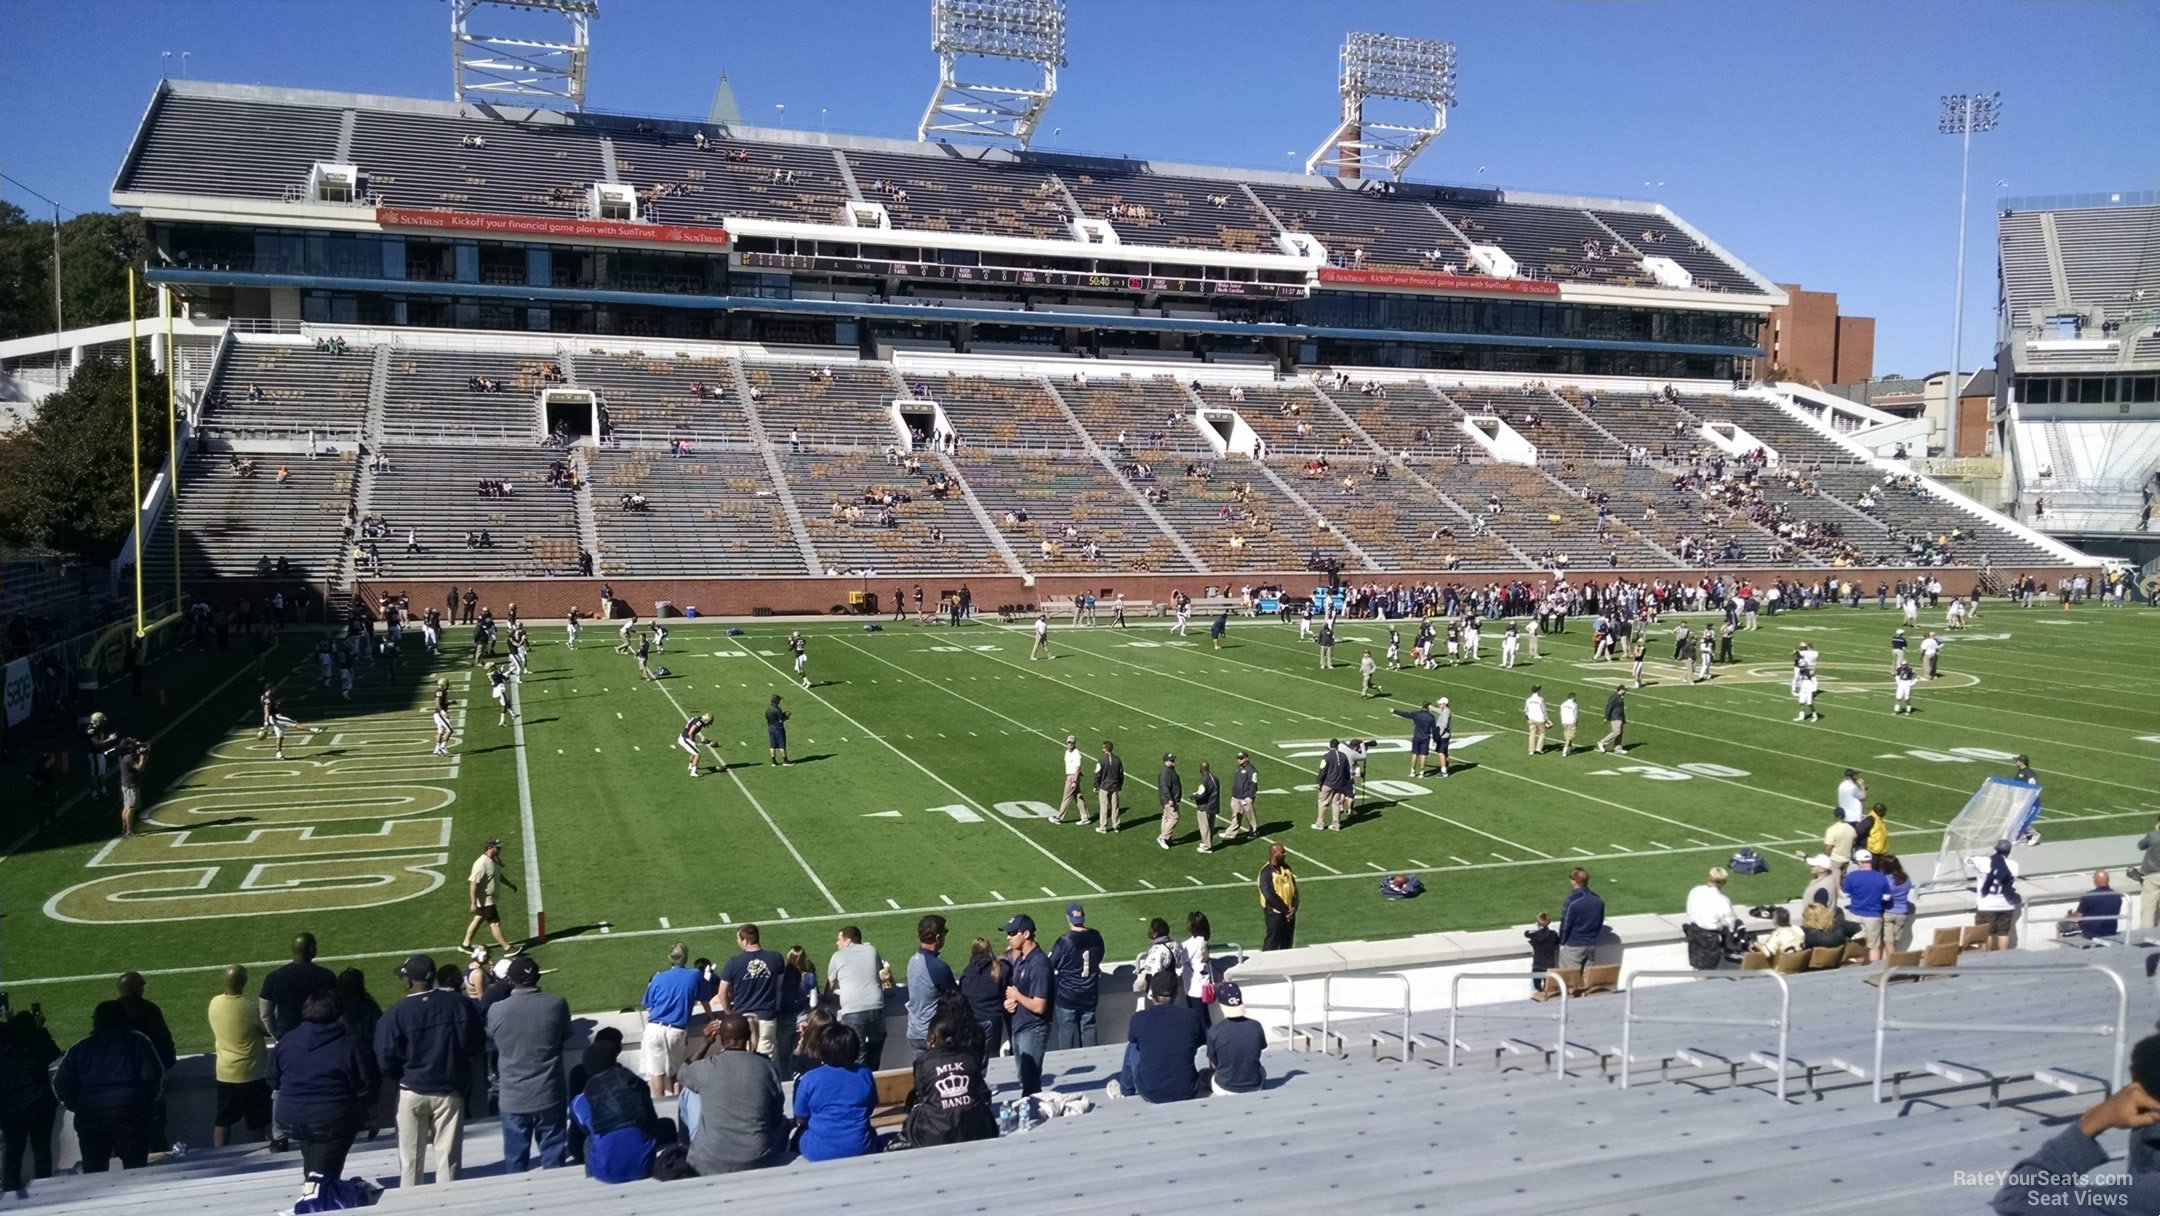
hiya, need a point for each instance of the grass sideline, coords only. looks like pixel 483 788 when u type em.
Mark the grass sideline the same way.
pixel 925 757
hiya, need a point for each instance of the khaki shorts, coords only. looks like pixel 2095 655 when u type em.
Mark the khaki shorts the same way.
pixel 662 1049
pixel 1871 931
pixel 1999 924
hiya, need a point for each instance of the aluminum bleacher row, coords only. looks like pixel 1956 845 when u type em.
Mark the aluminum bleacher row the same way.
pixel 208 139
pixel 1045 468
pixel 1698 1129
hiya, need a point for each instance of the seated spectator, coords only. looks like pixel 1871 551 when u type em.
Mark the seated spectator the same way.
pixel 111 1080
pixel 1234 1045
pixel 739 1104
pixel 615 1112
pixel 834 1101
pixel 2054 1177
pixel 2099 910
pixel 1161 1042
pixel 1782 938
pixel 950 1103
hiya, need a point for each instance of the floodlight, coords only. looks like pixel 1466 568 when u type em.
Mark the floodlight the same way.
pixel 1029 32
pixel 1963 115
pixel 1388 67
pixel 497 65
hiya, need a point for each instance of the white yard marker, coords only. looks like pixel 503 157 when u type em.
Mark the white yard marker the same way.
pixel 605 930
pixel 664 923
pixel 1461 861
pixel 1419 864
pixel 1145 883
pixel 1383 869
pixel 892 903
pixel 1660 844
pixel 947 899
pixel 997 896
pixel 1502 856
pixel 1585 852
pixel 783 912
pixel 725 919
pixel 1047 891
pixel 1621 848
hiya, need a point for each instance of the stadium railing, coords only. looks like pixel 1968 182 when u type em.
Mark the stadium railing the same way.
pixel 2118 1030
pixel 1629 1018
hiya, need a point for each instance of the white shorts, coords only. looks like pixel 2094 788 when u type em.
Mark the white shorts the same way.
pixel 442 723
pixel 662 1049
pixel 502 695
pixel 801 661
pixel 687 746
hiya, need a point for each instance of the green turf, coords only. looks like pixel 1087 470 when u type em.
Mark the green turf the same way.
pixel 960 734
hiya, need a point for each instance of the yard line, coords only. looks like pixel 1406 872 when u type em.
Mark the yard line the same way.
pixel 605 930
pixel 725 919
pixel 1000 820
pixel 1660 844
pixel 664 923
pixel 1623 848
pixel 947 899
pixel 998 896
pixel 1585 852
pixel 783 912
pixel 1460 860
pixel 1419 864
pixel 1143 882
pixel 1703 843
pixel 529 835
pixel 1194 881
pixel 759 807
pixel 1374 865
pixel 892 903
pixel 1502 857
pixel 1047 891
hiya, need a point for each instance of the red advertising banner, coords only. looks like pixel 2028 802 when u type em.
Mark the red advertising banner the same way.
pixel 1432 280
pixel 548 225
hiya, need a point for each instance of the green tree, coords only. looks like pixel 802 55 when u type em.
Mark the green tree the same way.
pixel 95 251
pixel 67 480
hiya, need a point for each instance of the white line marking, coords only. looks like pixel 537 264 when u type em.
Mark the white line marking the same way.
pixel 725 919
pixel 664 923
pixel 1585 852
pixel 1464 861
pixel 998 896
pixel 1419 864
pixel 1194 881
pixel 605 930
pixel 947 899
pixel 1501 856
pixel 1660 844
pixel 1047 891
pixel 892 903
pixel 1621 847
pixel 1145 883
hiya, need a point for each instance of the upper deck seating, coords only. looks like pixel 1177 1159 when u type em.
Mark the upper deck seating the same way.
pixel 1654 236
pixel 1365 229
pixel 1192 213
pixel 950 192
pixel 660 396
pixel 232 149
pixel 835 405
pixel 280 389
pixel 1550 242
pixel 476 164
pixel 679 182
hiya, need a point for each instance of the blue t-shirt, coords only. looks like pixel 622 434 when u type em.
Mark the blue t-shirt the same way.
pixel 1077 960
pixel 753 983
pixel 670 995
pixel 837 1102
pixel 2097 902
pixel 1167 1036
pixel 1033 977
pixel 1865 889
pixel 928 978
pixel 622 1155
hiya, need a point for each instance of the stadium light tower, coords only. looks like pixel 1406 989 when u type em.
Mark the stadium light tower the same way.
pixel 1029 32
pixel 499 65
pixel 1963 114
pixel 1390 67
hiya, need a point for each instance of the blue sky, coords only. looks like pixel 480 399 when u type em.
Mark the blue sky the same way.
pixel 1801 135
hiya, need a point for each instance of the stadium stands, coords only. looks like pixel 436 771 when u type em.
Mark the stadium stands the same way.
pixel 1137 409
pixel 1538 416
pixel 276 390
pixel 478 163
pixel 928 533
pixel 231 523
pixel 658 397
pixel 1550 523
pixel 949 191
pixel 230 148
pixel 850 407
pixel 1403 416
pixel 1551 242
pixel 1004 413
pixel 1291 419
pixel 1653 235
pixel 431 395
pixel 2105 252
pixel 679 182
pixel 1034 498
pixel 2090 475
pixel 704 512
pixel 435 491
pixel 1365 230
pixel 1187 212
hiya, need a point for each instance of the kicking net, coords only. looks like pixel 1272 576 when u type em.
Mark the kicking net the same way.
pixel 2001 809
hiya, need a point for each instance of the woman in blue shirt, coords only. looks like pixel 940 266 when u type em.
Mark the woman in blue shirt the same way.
pixel 834 1101
pixel 1897 903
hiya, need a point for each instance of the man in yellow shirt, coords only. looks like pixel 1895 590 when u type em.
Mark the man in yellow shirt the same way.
pixel 243 1060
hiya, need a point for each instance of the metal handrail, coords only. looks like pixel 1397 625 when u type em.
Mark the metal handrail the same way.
pixel 2119 1031
pixel 1328 1007
pixel 1455 1011
pixel 1628 1016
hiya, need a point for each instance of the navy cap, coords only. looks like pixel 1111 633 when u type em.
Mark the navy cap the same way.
pixel 1075 913
pixel 419 968
pixel 1022 923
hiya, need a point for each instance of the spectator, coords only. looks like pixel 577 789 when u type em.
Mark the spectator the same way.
pixel 528 1030
pixel 1897 904
pixel 615 1109
pixel 1822 883
pixel 1782 938
pixel 982 987
pixel 1877 827
pixel 146 1019
pixel 111 1081
pixel 243 1060
pixel 1161 1041
pixel 326 1083
pixel 1234 1045
pixel 1582 922
pixel 1867 890
pixel 1278 900
pixel 2149 871
pixel 853 975
pixel 575 1086
pixel 1998 899
pixel 1028 996
pixel 2054 1178
pixel 1076 961
pixel 668 998
pixel 1712 926
pixel 357 1006
pixel 1200 970
pixel 929 980
pixel 287 988
pixel 750 984
pixel 27 1103
pixel 740 1108
pixel 2100 909
pixel 427 1044
pixel 1839 840
pixel 1544 951
pixel 951 1099
pixel 834 1101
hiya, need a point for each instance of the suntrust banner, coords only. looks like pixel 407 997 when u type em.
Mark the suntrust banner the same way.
pixel 1433 280
pixel 549 226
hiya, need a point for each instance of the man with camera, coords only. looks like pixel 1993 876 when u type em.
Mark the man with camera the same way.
pixel 131 754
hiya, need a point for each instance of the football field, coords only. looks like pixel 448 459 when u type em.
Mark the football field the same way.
pixel 927 762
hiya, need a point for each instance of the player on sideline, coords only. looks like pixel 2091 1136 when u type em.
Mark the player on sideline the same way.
pixel 1510 643
pixel 1327 644
pixel 442 718
pixel 1905 680
pixel 1184 612
pixel 776 732
pixel 1702 657
pixel 1367 669
pixel 1071 790
pixel 644 657
pixel 499 688
pixel 1304 625
pixel 622 635
pixel 692 741
pixel 1955 617
pixel 1422 725
pixel 801 650
pixel 1394 649
pixel 520 648
pixel 570 627
pixel 1470 636
pixel 1041 648
pixel 1443 732
pixel 274 722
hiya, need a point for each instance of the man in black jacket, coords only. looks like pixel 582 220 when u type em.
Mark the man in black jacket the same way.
pixel 1169 792
pixel 1207 803
pixel 428 1045
pixel 146 1019
pixel 111 1080
pixel 1109 780
pixel 1244 787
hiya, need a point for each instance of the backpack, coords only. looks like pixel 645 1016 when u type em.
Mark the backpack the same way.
pixel 1410 890
pixel 1747 861
pixel 337 1194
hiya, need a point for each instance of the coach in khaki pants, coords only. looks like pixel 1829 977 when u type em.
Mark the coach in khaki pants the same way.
pixel 2149 880
pixel 429 1044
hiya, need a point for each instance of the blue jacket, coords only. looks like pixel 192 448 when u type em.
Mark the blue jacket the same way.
pixel 1582 918
pixel 1422 724
pixel 428 1042
pixel 322 1074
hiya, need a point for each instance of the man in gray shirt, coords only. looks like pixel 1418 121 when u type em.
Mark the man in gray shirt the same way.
pixel 855 974
pixel 739 1104
pixel 528 1029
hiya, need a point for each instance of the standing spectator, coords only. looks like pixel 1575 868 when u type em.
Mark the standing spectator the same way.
pixel 326 1083
pixel 1867 890
pixel 1028 996
pixel 1200 970
pixel 1998 899
pixel 750 985
pixel 1897 904
pixel 529 1029
pixel 1244 787
pixel 1877 827
pixel 929 980
pixel 1582 922
pixel 427 1044
pixel 740 1108
pixel 243 1060
pixel 1544 951
pixel 1839 840
pixel 1615 721
pixel 1076 961
pixel 834 1101
pixel 1109 783
pixel 982 988
pixel 1234 1045
pixel 111 1081
pixel 952 1099
pixel 145 1018
pixel 854 975
pixel 2149 877
pixel 622 1131
pixel 1070 791
pixel 1161 1041
pixel 27 1103
pixel 668 998
pixel 1712 924
pixel 1852 798
pixel 1278 900
pixel 2100 909
pixel 287 988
